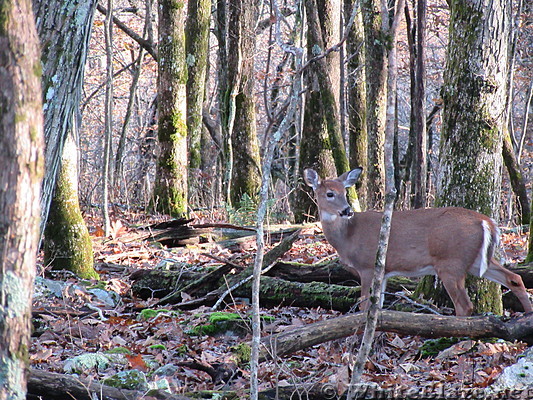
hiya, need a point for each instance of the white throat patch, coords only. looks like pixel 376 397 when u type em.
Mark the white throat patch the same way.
pixel 328 217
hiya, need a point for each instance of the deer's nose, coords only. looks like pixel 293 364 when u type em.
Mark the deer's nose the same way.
pixel 347 212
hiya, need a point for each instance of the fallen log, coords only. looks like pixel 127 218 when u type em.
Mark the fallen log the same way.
pixel 43 385
pixel 404 323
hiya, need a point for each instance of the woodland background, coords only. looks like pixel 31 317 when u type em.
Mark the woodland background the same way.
pixel 174 110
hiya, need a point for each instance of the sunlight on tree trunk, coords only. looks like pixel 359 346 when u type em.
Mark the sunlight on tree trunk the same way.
pixel 170 187
pixel 67 243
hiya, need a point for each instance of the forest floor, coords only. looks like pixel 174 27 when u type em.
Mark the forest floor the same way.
pixel 75 318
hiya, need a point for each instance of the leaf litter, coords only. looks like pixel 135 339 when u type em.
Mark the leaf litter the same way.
pixel 74 321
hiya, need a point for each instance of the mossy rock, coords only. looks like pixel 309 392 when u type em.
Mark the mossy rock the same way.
pixel 219 323
pixel 132 380
pixel 150 313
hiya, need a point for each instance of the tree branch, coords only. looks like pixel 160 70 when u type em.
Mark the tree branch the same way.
pixel 145 44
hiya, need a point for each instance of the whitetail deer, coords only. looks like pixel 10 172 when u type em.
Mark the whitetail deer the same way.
pixel 447 242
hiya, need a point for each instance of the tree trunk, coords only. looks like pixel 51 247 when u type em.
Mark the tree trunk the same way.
pixel 474 95
pixel 376 43
pixel 419 112
pixel 246 168
pixel 322 147
pixel 108 118
pixel 196 48
pixel 170 187
pixel 21 158
pixel 64 50
pixel 67 243
pixel 63 60
pixel 356 99
pixel 516 177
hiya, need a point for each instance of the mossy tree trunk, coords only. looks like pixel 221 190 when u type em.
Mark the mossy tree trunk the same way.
pixel 196 50
pixel 21 158
pixel 376 42
pixel 474 118
pixel 246 168
pixel 170 187
pixel 65 47
pixel 322 147
pixel 64 29
pixel 356 99
pixel 67 243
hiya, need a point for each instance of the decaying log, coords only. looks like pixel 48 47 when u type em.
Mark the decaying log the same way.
pixel 43 385
pixel 269 258
pixel 404 323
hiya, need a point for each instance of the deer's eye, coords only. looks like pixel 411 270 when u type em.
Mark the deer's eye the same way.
pixel 330 195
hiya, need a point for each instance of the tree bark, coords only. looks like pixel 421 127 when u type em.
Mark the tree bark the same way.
pixel 419 112
pixel 431 326
pixel 67 240
pixel 322 147
pixel 356 99
pixel 474 94
pixel 21 158
pixel 43 385
pixel 170 187
pixel 64 50
pixel 518 182
pixel 376 43
pixel 108 119
pixel 196 49
pixel 67 243
pixel 246 168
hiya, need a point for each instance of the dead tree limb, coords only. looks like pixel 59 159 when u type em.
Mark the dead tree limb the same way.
pixel 431 326
pixel 45 385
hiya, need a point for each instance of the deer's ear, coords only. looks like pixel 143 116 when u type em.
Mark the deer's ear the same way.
pixel 311 178
pixel 350 178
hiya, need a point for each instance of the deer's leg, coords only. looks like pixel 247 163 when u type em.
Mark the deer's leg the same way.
pixel 455 286
pixel 497 273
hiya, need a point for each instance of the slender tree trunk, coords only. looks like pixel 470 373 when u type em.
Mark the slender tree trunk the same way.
pixel 376 97
pixel 229 75
pixel 108 111
pixel 322 147
pixel 516 177
pixel 356 98
pixel 197 51
pixel 246 169
pixel 121 147
pixel 419 114
pixel 384 233
pixel 170 188
pixel 474 118
pixel 21 158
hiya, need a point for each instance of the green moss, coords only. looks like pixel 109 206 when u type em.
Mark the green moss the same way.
pixel 131 379
pixel 218 322
pixel 157 347
pixel 150 313
pixel 5 10
pixel 433 347
pixel 118 350
pixel 243 353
